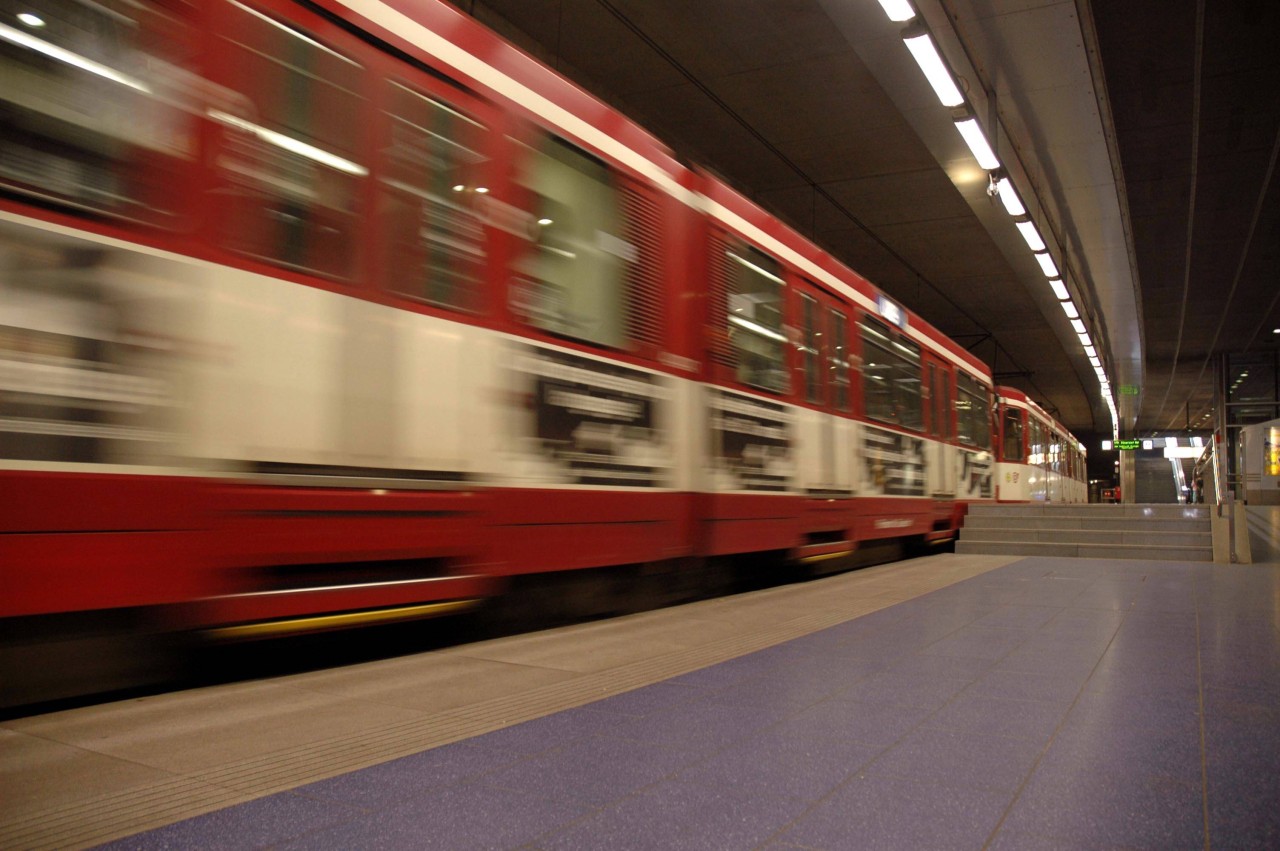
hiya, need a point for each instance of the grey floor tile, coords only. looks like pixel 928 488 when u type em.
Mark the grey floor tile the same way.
pixel 1123 709
pixel 681 815
pixel 595 771
pixel 701 726
pixel 894 814
pixel 979 642
pixel 975 713
pixel 959 757
pixel 782 762
pixel 1116 808
pixel 1020 616
pixel 869 723
pixel 1060 687
pixel 459 817
pixel 905 689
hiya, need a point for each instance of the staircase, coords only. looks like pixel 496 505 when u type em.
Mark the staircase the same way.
pixel 1162 532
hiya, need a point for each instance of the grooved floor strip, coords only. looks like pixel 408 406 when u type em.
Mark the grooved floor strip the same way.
pixel 822 603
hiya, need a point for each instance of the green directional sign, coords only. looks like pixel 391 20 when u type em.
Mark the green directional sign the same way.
pixel 1128 390
pixel 1129 443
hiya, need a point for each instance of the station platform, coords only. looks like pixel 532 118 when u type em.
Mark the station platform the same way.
pixel 955 701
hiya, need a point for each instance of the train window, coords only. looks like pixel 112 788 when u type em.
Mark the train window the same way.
pixel 755 318
pixel 98 112
pixel 290 162
pixel 933 403
pixel 810 343
pixel 838 359
pixel 906 384
pixel 944 408
pixel 432 233
pixel 574 280
pixel 1011 450
pixel 877 371
pixel 891 375
pixel 973 412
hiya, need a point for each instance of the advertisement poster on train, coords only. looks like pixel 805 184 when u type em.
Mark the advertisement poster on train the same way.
pixel 82 378
pixel 893 463
pixel 597 423
pixel 976 469
pixel 751 443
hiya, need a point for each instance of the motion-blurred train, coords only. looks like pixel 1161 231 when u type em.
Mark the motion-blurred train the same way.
pixel 326 313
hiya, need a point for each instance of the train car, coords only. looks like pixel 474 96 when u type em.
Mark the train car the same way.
pixel 1038 459
pixel 315 315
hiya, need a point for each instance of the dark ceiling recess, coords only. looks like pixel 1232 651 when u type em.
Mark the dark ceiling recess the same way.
pixel 771 95
pixel 1195 98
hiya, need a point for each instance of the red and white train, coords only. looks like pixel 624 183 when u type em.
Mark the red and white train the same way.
pixel 1038 460
pixel 314 314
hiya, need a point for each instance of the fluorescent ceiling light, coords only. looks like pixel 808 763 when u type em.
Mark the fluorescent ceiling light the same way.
pixel 1171 441
pixel 1077 326
pixel 1084 339
pixel 1009 196
pixel 1059 289
pixel 1046 263
pixel 1091 351
pixel 935 70
pixel 1031 235
pixel 898 10
pixel 1097 364
pixel 30 19
pixel 1069 308
pixel 977 142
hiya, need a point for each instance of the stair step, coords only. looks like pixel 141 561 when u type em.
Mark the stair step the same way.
pixel 1092 510
pixel 1091 524
pixel 1111 551
pixel 1129 537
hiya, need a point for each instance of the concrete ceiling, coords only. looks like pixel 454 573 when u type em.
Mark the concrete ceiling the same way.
pixel 1142 136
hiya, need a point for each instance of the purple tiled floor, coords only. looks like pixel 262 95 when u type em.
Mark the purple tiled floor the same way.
pixel 1048 704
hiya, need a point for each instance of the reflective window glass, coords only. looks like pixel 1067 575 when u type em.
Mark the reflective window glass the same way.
pixel 1012 449
pixel 838 360
pixel 573 281
pixel 431 193
pixel 96 111
pixel 291 169
pixel 755 318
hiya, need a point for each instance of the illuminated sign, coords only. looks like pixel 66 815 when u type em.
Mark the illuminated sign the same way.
pixel 892 312
pixel 1128 390
pixel 1129 443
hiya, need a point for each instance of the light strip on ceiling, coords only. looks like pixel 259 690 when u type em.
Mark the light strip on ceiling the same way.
pixel 1069 308
pixel 898 10
pixel 935 70
pixel 1059 289
pixel 1031 235
pixel 977 142
pixel 1009 197
pixel 1046 263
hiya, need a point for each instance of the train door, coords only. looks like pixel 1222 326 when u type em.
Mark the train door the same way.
pixel 942 474
pixel 822 383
